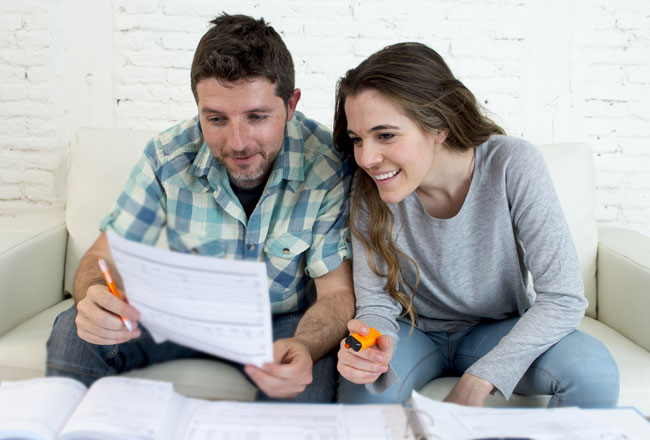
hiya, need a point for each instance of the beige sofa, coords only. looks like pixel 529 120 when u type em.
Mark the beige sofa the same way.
pixel 39 253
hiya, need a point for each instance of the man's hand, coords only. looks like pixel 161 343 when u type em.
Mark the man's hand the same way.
pixel 289 374
pixel 98 318
pixel 365 366
pixel 470 390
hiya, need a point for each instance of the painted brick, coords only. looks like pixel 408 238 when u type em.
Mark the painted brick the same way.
pixel 138 7
pixel 600 95
pixel 23 6
pixel 10 22
pixel 9 192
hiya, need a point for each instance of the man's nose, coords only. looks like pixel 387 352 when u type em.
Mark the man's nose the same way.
pixel 238 136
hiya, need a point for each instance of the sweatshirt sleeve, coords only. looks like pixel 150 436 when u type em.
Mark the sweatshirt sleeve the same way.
pixel 374 305
pixel 550 257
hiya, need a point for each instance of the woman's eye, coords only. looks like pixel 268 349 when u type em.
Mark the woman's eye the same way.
pixel 355 140
pixel 386 136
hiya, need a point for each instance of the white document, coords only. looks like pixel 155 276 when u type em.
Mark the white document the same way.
pixel 217 306
pixel 115 406
pixel 274 421
pixel 455 422
pixel 37 408
pixel 127 408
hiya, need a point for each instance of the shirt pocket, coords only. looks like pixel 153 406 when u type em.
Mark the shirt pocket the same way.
pixel 195 244
pixel 285 256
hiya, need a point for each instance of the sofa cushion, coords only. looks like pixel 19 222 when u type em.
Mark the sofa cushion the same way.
pixel 100 162
pixel 633 364
pixel 22 350
pixel 572 171
pixel 32 254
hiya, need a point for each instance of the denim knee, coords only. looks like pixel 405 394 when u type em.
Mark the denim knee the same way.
pixel 69 355
pixel 587 375
pixel 598 380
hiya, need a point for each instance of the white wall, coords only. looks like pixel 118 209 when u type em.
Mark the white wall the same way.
pixel 548 70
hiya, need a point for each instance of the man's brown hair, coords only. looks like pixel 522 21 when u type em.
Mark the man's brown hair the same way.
pixel 239 47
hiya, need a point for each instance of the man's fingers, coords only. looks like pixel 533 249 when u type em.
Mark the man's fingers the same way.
pixel 101 296
pixel 286 371
pixel 91 332
pixel 98 316
pixel 99 326
pixel 274 386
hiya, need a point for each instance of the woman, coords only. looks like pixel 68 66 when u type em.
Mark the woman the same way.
pixel 448 218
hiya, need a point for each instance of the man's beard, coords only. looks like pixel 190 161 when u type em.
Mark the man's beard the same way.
pixel 243 175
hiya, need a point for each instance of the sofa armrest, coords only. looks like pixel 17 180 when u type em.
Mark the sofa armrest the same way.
pixel 32 258
pixel 624 283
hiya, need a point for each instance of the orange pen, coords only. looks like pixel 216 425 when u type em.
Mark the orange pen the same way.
pixel 357 342
pixel 113 288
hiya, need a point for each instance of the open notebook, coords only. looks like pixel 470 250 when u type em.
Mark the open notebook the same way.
pixel 130 408
pixel 438 420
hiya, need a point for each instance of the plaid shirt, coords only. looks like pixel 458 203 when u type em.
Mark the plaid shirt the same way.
pixel 298 227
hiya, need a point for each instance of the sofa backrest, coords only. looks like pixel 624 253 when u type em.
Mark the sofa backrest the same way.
pixel 572 170
pixel 101 160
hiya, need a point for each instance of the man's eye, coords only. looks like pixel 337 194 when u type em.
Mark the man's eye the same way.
pixel 215 120
pixel 257 117
pixel 386 136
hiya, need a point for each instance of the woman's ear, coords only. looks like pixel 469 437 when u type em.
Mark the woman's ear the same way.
pixel 441 135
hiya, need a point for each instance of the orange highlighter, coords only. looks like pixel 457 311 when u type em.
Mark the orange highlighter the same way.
pixel 113 288
pixel 357 342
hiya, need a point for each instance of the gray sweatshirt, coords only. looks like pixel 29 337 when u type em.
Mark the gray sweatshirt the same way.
pixel 476 265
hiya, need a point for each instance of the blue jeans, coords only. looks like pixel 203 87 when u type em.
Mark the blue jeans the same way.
pixel 68 355
pixel 577 371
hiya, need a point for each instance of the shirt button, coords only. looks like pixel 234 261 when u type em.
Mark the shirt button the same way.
pixel 285 251
pixel 251 247
pixel 194 251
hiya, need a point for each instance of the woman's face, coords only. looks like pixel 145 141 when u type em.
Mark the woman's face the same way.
pixel 395 152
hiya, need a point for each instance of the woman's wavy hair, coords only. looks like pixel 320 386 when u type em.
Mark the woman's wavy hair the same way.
pixel 417 79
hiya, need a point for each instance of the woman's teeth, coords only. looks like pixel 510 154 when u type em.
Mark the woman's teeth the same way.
pixel 387 175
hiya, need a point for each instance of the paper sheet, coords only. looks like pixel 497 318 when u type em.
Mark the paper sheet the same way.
pixel 39 405
pixel 121 407
pixel 456 422
pixel 281 421
pixel 218 306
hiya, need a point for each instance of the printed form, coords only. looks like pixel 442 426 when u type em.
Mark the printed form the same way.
pixel 214 305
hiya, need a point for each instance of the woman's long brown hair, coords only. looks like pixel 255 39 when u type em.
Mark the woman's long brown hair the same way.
pixel 419 81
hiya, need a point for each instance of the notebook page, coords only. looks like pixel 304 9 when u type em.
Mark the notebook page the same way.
pixel 451 421
pixel 120 407
pixel 280 421
pixel 40 406
pixel 218 306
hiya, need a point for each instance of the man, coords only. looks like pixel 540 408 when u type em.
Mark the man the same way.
pixel 248 178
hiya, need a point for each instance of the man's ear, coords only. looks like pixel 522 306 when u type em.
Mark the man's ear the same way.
pixel 292 104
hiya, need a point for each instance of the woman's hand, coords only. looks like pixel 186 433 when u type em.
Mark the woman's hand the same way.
pixel 470 390
pixel 365 366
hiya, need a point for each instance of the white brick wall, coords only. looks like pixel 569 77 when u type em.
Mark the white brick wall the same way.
pixel 548 70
